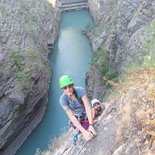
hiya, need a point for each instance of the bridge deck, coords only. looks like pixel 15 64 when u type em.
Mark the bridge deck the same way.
pixel 67 5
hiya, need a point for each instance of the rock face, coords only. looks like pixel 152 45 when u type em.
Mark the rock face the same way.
pixel 94 86
pixel 125 29
pixel 26 29
pixel 120 129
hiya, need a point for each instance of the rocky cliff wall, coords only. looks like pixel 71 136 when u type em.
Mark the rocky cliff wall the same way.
pixel 126 127
pixel 27 28
pixel 124 29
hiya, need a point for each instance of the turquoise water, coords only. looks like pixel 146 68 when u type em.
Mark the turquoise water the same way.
pixel 71 55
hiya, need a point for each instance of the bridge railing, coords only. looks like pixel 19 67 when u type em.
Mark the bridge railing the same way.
pixel 67 5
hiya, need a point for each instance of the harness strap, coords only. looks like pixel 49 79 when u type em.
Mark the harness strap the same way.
pixel 84 120
pixel 78 99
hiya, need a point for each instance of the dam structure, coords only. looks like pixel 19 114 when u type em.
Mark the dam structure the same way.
pixel 70 5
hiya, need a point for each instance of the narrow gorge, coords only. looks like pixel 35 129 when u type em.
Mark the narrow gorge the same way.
pixel 121 74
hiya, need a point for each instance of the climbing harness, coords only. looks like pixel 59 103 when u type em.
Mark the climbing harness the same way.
pixel 84 144
pixel 85 124
pixel 82 119
pixel 76 134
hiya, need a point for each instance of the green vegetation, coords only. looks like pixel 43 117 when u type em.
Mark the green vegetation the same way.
pixel 17 59
pixel 149 43
pixel 102 62
pixel 4 11
pixel 28 59
pixel 23 78
pixel 95 58
pixel 148 62
pixel 148 59
pixel 33 15
pixel 31 31
pixel 32 55
pixel 33 59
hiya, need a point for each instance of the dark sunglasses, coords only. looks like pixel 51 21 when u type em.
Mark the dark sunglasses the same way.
pixel 96 104
pixel 69 86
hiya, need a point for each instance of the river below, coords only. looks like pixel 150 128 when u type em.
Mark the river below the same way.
pixel 71 55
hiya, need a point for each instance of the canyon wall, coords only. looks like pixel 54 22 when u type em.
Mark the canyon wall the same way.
pixel 27 30
pixel 124 31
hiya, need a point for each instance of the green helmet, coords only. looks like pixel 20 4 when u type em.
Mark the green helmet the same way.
pixel 65 80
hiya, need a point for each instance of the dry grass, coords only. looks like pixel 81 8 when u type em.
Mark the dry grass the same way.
pixel 137 78
pixel 131 112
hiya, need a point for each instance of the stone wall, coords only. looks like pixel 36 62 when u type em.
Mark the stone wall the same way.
pixel 26 29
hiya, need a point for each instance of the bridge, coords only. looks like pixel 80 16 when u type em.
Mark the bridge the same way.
pixel 69 5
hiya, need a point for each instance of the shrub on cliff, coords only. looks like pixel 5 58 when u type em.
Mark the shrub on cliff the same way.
pixel 102 62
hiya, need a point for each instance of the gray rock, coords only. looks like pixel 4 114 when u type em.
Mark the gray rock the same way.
pixel 25 29
pixel 119 129
pixel 120 21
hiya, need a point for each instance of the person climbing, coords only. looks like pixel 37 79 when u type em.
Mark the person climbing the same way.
pixel 77 107
pixel 97 109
